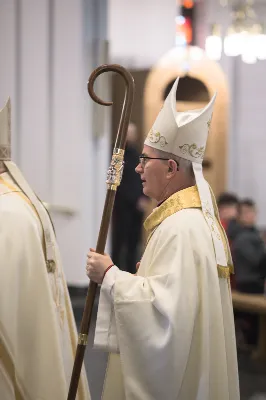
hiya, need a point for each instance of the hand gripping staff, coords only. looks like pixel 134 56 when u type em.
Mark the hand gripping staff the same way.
pixel 114 176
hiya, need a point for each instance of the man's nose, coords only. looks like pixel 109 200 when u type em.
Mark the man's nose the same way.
pixel 138 168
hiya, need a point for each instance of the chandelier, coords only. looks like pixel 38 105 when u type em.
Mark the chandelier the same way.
pixel 245 37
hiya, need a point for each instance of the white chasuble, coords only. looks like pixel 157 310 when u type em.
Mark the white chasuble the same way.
pixel 170 329
pixel 38 335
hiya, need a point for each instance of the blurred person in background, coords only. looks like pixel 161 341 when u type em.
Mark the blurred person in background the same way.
pixel 249 254
pixel 248 213
pixel 249 251
pixel 228 206
pixel 37 329
pixel 130 205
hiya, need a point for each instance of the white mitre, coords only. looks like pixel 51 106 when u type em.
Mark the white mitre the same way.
pixel 5 158
pixel 185 134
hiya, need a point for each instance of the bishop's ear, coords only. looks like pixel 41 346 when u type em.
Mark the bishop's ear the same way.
pixel 173 166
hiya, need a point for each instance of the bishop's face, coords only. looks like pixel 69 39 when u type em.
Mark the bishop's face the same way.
pixel 153 173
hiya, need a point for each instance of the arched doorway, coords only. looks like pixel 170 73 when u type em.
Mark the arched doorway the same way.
pixel 200 78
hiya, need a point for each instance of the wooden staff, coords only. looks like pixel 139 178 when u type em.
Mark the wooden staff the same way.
pixel 114 177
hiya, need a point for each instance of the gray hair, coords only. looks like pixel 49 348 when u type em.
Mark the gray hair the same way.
pixel 184 165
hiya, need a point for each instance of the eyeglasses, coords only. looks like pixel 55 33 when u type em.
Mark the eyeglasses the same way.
pixel 143 159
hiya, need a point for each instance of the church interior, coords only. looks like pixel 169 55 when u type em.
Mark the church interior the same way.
pixel 62 140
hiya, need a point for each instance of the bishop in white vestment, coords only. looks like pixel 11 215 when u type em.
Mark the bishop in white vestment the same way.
pixel 170 329
pixel 37 329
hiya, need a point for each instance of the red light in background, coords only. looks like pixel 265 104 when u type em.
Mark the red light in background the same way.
pixel 184 29
pixel 188 3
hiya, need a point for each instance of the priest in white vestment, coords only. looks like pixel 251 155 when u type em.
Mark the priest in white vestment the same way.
pixel 37 329
pixel 170 329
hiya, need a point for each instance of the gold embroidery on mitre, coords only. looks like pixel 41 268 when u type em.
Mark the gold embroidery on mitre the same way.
pixel 156 137
pixel 209 123
pixel 193 150
pixel 5 152
pixel 5 149
pixel 187 198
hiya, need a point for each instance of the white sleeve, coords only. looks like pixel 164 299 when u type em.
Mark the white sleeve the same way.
pixel 151 319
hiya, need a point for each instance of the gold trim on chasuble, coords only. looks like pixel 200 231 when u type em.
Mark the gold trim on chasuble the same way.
pixel 187 198
pixel 51 267
pixel 12 189
pixel 9 188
